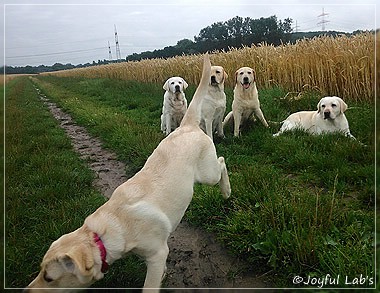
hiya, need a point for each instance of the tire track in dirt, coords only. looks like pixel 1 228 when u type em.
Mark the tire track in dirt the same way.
pixel 195 259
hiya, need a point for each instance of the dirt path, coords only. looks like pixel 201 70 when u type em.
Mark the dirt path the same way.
pixel 195 260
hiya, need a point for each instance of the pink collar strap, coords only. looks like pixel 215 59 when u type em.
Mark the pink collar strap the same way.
pixel 103 252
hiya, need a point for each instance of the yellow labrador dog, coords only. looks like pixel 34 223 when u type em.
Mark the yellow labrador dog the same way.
pixel 143 211
pixel 175 104
pixel 328 118
pixel 214 103
pixel 246 100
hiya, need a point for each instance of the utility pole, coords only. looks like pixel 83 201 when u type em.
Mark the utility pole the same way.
pixel 323 20
pixel 296 27
pixel 118 54
pixel 109 52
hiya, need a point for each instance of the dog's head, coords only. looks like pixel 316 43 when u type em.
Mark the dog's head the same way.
pixel 68 263
pixel 218 76
pixel 245 76
pixel 331 107
pixel 175 85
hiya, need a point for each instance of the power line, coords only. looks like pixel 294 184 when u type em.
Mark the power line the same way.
pixel 52 54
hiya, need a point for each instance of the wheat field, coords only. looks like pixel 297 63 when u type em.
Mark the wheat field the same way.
pixel 342 66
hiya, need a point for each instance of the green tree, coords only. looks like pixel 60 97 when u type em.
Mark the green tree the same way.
pixel 237 32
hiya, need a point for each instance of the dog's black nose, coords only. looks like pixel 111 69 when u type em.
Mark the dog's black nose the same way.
pixel 246 79
pixel 177 88
pixel 213 79
pixel 326 115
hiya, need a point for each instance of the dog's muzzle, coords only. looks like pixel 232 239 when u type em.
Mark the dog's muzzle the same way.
pixel 177 89
pixel 246 84
pixel 213 80
pixel 326 115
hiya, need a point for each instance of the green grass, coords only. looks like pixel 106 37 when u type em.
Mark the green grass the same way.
pixel 48 189
pixel 103 113
pixel 301 204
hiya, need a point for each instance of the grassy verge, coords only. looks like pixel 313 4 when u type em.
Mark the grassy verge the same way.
pixel 101 106
pixel 301 205
pixel 48 189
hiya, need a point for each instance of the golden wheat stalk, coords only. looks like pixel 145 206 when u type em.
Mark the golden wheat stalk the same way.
pixel 342 66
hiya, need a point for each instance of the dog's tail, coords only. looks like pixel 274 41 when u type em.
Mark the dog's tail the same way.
pixel 228 118
pixel 192 115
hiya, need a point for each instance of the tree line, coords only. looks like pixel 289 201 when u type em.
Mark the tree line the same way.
pixel 235 32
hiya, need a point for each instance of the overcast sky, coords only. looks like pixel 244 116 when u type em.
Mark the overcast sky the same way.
pixel 48 31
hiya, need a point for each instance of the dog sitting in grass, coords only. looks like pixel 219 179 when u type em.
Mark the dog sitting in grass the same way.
pixel 246 103
pixel 175 104
pixel 213 104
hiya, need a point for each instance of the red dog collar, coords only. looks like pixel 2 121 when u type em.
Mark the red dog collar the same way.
pixel 103 252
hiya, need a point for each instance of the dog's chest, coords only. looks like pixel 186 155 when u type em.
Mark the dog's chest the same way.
pixel 246 98
pixel 216 98
pixel 246 102
pixel 177 103
pixel 326 125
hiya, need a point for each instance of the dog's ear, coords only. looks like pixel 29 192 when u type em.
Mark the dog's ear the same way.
pixel 254 75
pixel 80 262
pixel 236 75
pixel 343 105
pixel 185 85
pixel 166 85
pixel 225 75
pixel 68 263
pixel 319 106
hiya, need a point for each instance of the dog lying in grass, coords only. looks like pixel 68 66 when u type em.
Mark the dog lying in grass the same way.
pixel 329 117
pixel 143 211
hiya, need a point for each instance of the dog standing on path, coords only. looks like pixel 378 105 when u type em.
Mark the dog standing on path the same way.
pixel 246 100
pixel 143 211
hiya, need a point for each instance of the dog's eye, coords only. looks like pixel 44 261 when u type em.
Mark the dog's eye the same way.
pixel 241 73
pixel 172 82
pixel 323 106
pixel 249 72
pixel 180 82
pixel 217 71
pixel 333 105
